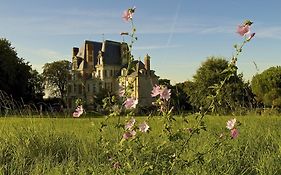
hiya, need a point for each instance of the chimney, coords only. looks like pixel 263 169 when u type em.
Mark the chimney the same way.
pixel 147 62
pixel 75 51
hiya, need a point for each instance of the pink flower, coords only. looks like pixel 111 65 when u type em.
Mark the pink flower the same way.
pixel 155 91
pixel 143 127
pixel 130 103
pixel 230 124
pixel 165 94
pixel 78 111
pixel 130 124
pixel 129 134
pixel 234 133
pixel 128 14
pixel 243 30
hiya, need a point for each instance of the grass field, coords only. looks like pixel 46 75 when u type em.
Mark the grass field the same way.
pixel 73 146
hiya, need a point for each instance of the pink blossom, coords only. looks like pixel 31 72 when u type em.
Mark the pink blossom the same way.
pixel 143 127
pixel 78 111
pixel 130 103
pixel 234 133
pixel 128 14
pixel 155 91
pixel 230 124
pixel 165 94
pixel 243 29
pixel 129 134
pixel 130 124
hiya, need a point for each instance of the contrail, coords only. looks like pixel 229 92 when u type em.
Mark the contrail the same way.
pixel 174 24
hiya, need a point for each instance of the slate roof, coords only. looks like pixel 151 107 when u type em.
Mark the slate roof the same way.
pixel 111 52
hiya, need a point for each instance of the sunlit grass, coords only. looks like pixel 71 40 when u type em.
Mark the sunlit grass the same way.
pixel 71 146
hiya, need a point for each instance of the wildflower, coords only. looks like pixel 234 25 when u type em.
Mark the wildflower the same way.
pixel 165 94
pixel 78 111
pixel 243 30
pixel 130 124
pixel 155 91
pixel 128 14
pixel 129 134
pixel 130 103
pixel 230 124
pixel 143 127
pixel 234 133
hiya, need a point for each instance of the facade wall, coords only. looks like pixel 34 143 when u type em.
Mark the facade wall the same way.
pixel 91 74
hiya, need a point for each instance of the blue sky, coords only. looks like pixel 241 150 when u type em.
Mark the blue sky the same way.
pixel 178 34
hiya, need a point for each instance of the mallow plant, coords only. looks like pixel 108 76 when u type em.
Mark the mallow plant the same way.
pixel 135 150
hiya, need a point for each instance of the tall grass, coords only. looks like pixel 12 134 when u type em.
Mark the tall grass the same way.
pixel 72 146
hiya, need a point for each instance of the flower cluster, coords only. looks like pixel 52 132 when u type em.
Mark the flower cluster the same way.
pixel 164 95
pixel 130 129
pixel 130 103
pixel 231 126
pixel 128 14
pixel 162 91
pixel 244 30
pixel 78 111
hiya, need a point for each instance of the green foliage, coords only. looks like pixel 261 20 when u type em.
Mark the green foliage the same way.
pixel 267 87
pixel 17 77
pixel 55 75
pixel 216 74
pixel 73 146
pixel 179 98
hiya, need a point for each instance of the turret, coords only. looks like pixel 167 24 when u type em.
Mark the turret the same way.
pixel 147 62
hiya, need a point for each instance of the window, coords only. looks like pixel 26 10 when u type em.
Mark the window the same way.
pixel 75 88
pixel 69 89
pixel 89 88
pixel 80 89
pixel 94 88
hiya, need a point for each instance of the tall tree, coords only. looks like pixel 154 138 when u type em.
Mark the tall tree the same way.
pixel 267 87
pixel 55 76
pixel 15 73
pixel 233 95
pixel 36 86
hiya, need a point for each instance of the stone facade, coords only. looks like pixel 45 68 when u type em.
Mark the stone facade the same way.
pixel 102 65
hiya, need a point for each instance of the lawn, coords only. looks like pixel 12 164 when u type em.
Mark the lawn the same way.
pixel 76 146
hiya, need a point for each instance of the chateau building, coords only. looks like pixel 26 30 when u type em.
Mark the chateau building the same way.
pixel 103 65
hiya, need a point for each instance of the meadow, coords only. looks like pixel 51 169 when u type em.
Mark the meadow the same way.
pixel 75 146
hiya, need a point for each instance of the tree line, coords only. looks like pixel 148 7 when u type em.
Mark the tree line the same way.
pixel 21 82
